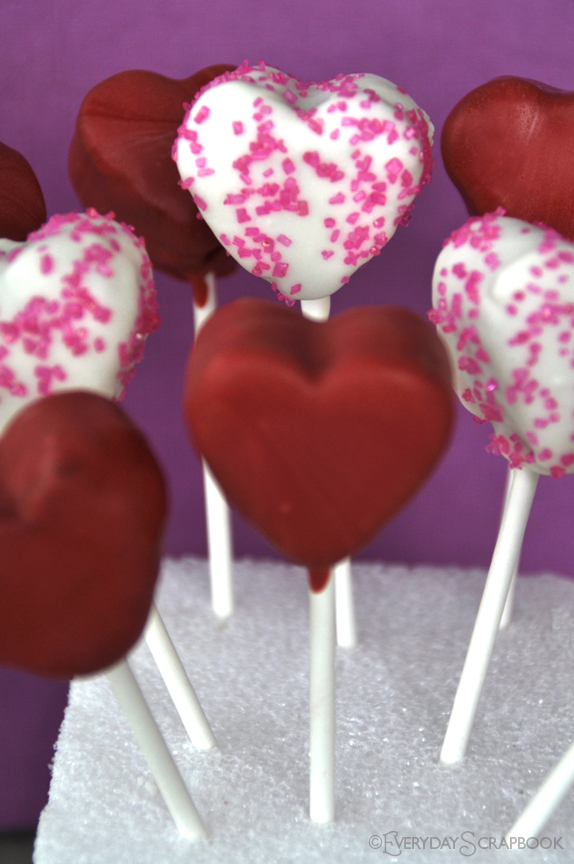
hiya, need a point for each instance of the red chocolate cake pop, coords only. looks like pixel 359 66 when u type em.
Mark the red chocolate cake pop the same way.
pixel 22 207
pixel 510 143
pixel 318 432
pixel 82 511
pixel 120 160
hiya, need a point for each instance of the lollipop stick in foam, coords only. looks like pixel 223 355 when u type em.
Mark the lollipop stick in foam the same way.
pixel 546 800
pixel 504 561
pixel 265 389
pixel 154 748
pixel 216 510
pixel 322 703
pixel 178 684
pixel 318 310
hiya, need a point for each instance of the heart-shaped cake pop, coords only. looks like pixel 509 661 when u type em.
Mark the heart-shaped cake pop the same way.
pixel 503 296
pixel 120 160
pixel 303 182
pixel 510 143
pixel 318 432
pixel 77 302
pixel 22 207
pixel 82 512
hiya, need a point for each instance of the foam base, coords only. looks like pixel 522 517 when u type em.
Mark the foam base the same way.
pixel 394 694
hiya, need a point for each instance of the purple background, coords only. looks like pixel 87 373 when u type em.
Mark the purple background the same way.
pixel 438 50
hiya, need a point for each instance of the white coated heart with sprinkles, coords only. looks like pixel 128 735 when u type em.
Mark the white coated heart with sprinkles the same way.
pixel 303 182
pixel 503 298
pixel 77 302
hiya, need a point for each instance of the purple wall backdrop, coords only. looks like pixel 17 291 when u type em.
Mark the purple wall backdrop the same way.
pixel 438 50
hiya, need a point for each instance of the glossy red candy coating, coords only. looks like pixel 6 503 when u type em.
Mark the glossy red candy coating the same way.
pixel 318 432
pixel 120 160
pixel 22 207
pixel 82 512
pixel 510 143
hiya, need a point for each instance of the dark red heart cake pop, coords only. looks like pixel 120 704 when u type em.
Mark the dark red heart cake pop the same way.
pixel 22 207
pixel 120 160
pixel 510 143
pixel 318 432
pixel 82 511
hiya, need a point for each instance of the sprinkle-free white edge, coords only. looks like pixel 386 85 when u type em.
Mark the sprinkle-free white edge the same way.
pixel 394 692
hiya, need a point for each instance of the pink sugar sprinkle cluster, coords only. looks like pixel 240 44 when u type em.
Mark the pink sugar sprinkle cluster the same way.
pixel 61 315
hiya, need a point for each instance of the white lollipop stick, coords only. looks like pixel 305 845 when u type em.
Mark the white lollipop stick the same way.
pixel 154 748
pixel 322 704
pixel 216 509
pixel 504 560
pixel 318 310
pixel 178 684
pixel 546 800
pixel 509 605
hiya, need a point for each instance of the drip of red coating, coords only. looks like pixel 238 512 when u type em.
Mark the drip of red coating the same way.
pixel 318 578
pixel 200 290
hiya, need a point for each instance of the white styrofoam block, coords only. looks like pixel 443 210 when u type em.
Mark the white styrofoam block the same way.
pixel 394 692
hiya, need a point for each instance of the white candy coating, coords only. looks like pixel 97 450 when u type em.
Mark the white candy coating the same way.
pixel 503 297
pixel 76 304
pixel 303 182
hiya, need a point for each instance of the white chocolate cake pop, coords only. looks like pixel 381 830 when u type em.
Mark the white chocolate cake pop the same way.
pixel 303 182
pixel 503 297
pixel 77 302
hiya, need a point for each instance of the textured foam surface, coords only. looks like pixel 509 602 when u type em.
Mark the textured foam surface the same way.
pixel 394 693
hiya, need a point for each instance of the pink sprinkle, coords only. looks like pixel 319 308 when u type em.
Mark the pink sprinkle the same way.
pixel 234 199
pixel 290 97
pixel 46 264
pixel 284 240
pixel 288 166
pixel 237 127
pixel 296 288
pixel 280 270
pixel 344 280
pixel 334 134
pixel 352 218
pixel 334 236
pixel 202 114
pixel 329 223
pixel 339 198
pixel 242 215
pixel 200 202
pixel 225 239
pixel 394 168
pixel 327 254
pixel 268 172
pixel 99 345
